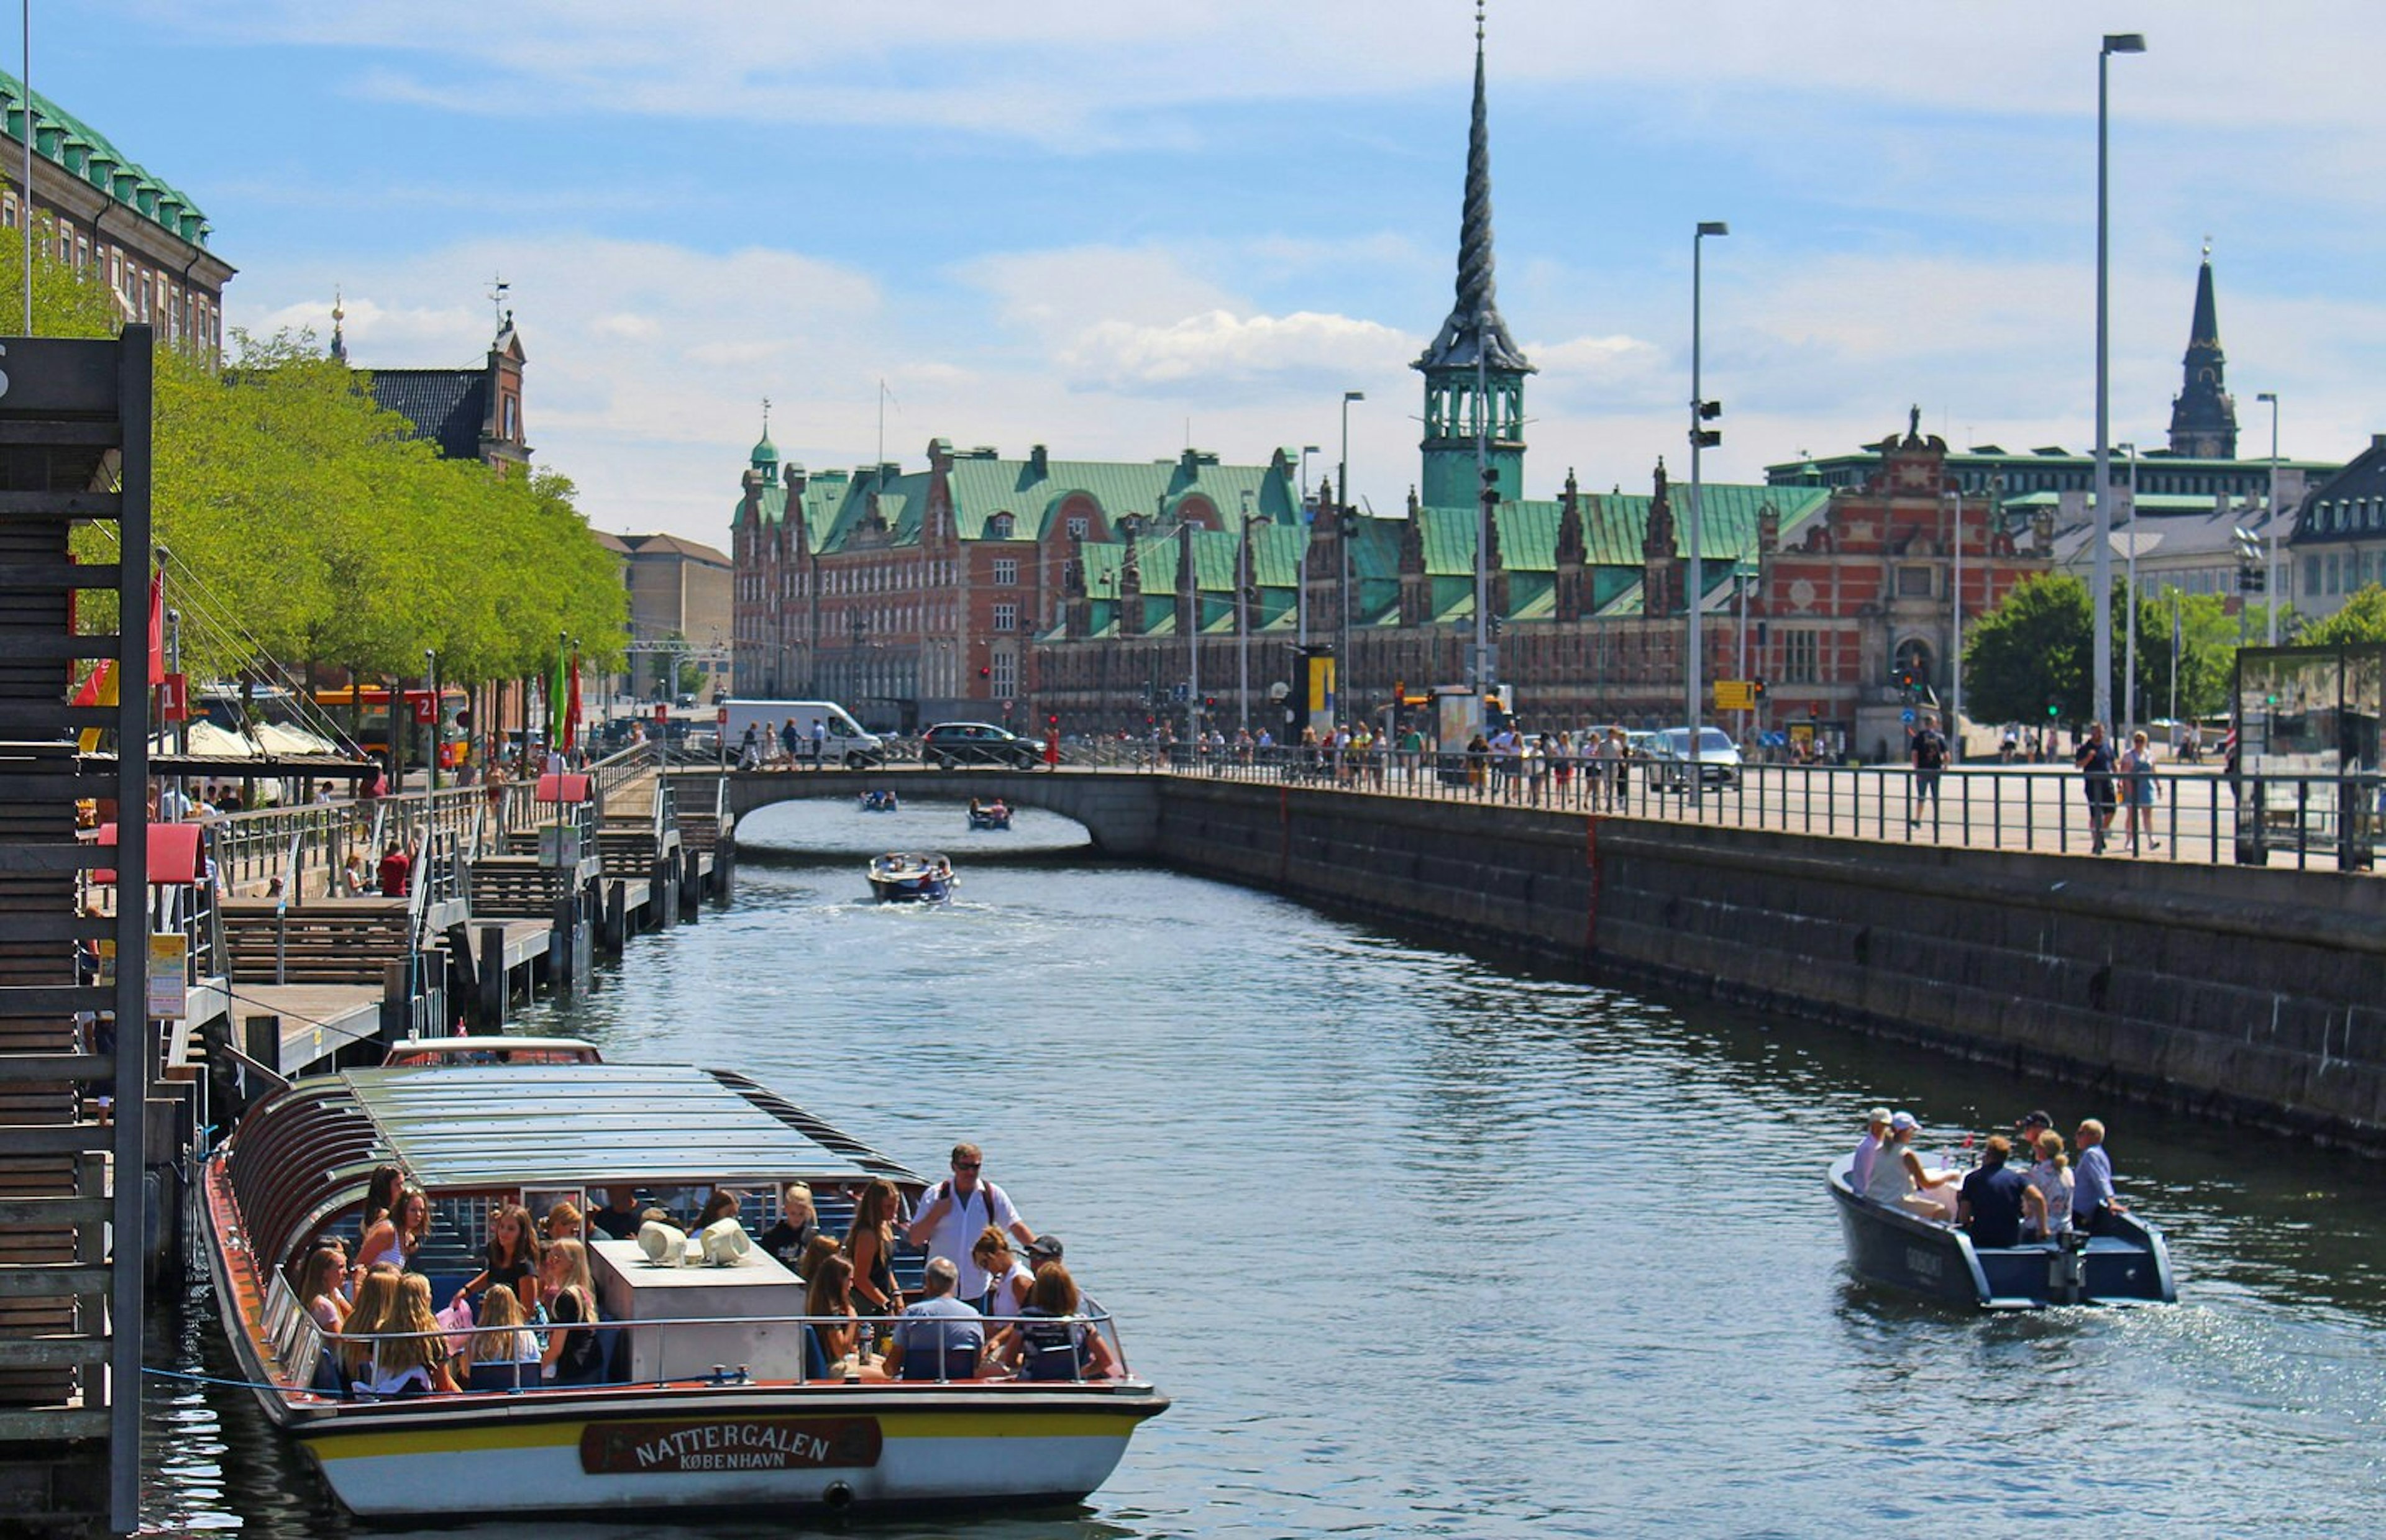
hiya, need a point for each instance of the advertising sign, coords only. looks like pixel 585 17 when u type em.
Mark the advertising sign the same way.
pixel 169 965
pixel 729 1444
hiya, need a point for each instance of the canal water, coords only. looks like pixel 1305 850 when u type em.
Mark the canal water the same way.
pixel 1423 1245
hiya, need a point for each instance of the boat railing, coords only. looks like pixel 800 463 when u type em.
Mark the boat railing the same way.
pixel 300 1344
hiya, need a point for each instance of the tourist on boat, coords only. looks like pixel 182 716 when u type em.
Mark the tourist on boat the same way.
pixel 870 1244
pixel 1868 1148
pixel 2051 1174
pixel 2092 1203
pixel 399 1234
pixel 575 1352
pixel 321 1279
pixel 1995 1198
pixel 510 1256
pixel 1898 1178
pixel 376 1295
pixel 819 1249
pixel 503 1354
pixel 619 1219
pixel 836 1327
pixel 1049 1346
pixel 954 1211
pixel 1006 1278
pixel 723 1205
pixel 415 1362
pixel 381 1194
pixel 938 1337
pixel 798 1224
pixel 563 1222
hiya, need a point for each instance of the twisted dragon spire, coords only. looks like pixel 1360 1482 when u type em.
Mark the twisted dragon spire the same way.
pixel 1475 326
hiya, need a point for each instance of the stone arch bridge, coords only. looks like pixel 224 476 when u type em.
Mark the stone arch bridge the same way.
pixel 1119 808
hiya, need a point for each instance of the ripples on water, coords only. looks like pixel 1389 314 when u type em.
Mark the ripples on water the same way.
pixel 1426 1246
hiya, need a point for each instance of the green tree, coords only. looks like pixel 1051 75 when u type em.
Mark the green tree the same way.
pixel 2037 649
pixel 2363 618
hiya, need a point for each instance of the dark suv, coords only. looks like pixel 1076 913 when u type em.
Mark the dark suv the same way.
pixel 950 744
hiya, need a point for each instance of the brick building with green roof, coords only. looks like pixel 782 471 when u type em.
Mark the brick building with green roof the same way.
pixel 1018 589
pixel 96 208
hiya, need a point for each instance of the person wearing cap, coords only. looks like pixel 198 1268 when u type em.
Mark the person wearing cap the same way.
pixel 1048 1248
pixel 953 1212
pixel 1898 1178
pixel 1868 1148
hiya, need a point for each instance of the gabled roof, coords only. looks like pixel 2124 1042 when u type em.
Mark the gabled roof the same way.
pixel 448 407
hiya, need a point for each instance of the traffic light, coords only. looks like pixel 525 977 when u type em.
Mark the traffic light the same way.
pixel 1052 721
pixel 2053 708
pixel 1757 688
pixel 1707 438
pixel 985 673
pixel 1209 703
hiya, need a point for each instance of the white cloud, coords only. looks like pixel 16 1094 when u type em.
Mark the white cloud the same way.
pixel 1219 351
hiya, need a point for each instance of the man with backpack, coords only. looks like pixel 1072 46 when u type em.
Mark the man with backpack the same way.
pixel 1929 755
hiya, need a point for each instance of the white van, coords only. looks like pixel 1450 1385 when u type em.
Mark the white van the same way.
pixel 840 742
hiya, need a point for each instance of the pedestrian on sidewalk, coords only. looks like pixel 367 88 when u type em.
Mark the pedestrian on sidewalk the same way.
pixel 2136 769
pixel 2094 760
pixel 1929 752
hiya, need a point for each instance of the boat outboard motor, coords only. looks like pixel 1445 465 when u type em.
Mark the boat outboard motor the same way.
pixel 2066 1270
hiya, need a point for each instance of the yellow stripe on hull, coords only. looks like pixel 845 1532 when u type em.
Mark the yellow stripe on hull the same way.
pixel 484 1436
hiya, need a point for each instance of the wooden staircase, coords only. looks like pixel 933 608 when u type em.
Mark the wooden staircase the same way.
pixel 517 887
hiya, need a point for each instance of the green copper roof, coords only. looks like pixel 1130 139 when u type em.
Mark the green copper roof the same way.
pixel 765 452
pixel 65 140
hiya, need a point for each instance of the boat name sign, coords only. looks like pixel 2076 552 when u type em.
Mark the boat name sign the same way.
pixel 744 1444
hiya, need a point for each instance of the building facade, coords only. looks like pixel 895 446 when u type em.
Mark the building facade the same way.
pixel 2340 536
pixel 473 413
pixel 99 212
pixel 681 616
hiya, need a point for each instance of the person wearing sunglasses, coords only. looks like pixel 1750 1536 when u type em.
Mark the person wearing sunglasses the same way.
pixel 954 1211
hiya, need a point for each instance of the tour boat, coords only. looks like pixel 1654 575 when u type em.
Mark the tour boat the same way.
pixel 904 876
pixel 880 800
pixel 1906 1251
pixel 711 1406
pixel 496 1048
pixel 996 816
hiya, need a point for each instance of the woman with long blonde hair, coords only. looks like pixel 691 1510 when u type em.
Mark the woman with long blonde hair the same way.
pixel 503 1354
pixel 376 1292
pixel 414 1363
pixel 575 1354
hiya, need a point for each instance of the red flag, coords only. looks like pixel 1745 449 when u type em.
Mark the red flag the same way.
pixel 572 712
pixel 157 628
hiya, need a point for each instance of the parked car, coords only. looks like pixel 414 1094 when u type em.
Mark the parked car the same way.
pixel 950 743
pixel 1717 759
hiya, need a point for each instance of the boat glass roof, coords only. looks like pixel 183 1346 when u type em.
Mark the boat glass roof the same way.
pixel 579 1124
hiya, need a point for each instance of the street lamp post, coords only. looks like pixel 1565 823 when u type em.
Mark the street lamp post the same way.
pixel 1243 613
pixel 1700 436
pixel 2270 587
pixel 1306 450
pixel 431 676
pixel 1955 649
pixel 2115 42
pixel 2129 664
pixel 1346 526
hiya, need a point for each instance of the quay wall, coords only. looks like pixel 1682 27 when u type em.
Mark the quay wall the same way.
pixel 2254 995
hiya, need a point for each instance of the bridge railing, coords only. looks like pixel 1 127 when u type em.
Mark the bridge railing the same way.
pixel 2303 821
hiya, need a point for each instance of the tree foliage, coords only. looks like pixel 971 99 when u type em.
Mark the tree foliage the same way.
pixel 2363 618
pixel 2037 648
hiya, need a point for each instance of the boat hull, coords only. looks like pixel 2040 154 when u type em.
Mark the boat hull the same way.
pixel 1937 1261
pixel 900 891
pixel 808 1448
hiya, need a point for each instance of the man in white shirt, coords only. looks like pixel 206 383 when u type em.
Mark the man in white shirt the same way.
pixel 954 1213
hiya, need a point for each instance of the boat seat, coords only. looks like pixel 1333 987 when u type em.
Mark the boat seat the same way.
pixel 961 1365
pixel 504 1377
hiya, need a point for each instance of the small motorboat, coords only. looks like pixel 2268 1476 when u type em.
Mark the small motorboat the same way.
pixel 1906 1251
pixel 880 800
pixel 991 816
pixel 905 876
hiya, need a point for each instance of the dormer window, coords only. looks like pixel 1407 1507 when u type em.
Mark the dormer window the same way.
pixel 1000 527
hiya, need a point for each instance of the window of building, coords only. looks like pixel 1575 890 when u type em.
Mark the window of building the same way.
pixel 513 425
pixel 2311 574
pixel 1077 531
pixel 1913 583
pixel 1005 618
pixel 1005 664
pixel 1005 572
pixel 2335 575
pixel 999 527
pixel 1798 665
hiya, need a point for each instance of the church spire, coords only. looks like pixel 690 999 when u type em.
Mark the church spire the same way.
pixel 2203 415
pixel 339 314
pixel 1473 373
pixel 1475 322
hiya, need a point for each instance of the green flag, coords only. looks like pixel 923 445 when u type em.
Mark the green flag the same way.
pixel 558 693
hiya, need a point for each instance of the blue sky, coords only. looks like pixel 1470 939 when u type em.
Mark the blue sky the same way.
pixel 1100 226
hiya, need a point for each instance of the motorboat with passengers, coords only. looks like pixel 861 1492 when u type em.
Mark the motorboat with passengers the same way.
pixel 2126 1262
pixel 713 1391
pixel 911 877
pixel 878 799
pixel 989 815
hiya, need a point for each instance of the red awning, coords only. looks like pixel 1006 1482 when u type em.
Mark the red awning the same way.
pixel 174 854
pixel 563 788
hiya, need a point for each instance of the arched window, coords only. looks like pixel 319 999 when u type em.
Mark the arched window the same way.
pixel 999 527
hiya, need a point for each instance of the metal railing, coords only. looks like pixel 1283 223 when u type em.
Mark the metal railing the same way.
pixel 299 1345
pixel 2305 821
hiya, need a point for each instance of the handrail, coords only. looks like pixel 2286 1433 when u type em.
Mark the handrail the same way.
pixel 297 1337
